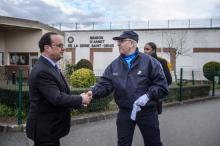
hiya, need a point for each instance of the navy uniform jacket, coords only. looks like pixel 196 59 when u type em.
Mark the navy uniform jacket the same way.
pixel 144 77
pixel 50 102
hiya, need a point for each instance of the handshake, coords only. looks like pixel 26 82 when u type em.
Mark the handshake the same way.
pixel 86 98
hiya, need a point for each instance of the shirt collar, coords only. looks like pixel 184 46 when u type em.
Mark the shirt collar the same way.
pixel 135 53
pixel 131 55
pixel 51 61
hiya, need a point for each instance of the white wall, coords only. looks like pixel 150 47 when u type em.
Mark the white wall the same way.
pixel 194 38
pixel 101 61
pixel 202 58
pixel 82 53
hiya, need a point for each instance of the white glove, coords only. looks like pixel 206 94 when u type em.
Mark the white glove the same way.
pixel 142 100
pixel 135 109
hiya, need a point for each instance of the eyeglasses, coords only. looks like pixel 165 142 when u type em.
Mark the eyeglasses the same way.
pixel 124 40
pixel 59 45
pixel 146 48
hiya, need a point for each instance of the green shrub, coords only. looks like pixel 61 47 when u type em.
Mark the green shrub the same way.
pixel 97 104
pixel 6 111
pixel 82 78
pixel 9 97
pixel 84 63
pixel 211 69
pixel 189 92
pixel 69 69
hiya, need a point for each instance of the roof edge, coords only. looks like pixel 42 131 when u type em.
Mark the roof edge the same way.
pixel 13 21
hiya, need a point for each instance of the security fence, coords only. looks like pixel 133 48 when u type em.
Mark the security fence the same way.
pixel 14 101
pixel 192 78
pixel 148 24
pixel 14 92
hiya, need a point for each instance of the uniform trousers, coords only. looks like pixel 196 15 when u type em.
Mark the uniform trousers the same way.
pixel 146 120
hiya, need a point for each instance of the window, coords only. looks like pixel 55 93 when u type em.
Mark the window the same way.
pixel 33 59
pixel 1 58
pixel 19 58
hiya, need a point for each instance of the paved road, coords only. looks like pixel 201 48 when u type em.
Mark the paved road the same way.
pixel 196 124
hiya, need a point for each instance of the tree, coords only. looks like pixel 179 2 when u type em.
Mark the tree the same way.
pixel 176 41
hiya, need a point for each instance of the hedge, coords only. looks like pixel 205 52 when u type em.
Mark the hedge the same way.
pixel 84 63
pixel 97 104
pixel 189 92
pixel 9 97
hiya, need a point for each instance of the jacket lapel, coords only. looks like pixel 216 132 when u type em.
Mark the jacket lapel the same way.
pixel 59 76
pixel 67 87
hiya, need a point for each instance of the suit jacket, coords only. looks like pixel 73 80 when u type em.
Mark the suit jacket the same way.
pixel 50 103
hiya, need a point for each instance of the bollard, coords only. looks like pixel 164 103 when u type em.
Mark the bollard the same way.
pixel 213 86
pixel 181 84
pixel 193 80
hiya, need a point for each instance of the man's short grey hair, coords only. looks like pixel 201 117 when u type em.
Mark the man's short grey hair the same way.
pixel 134 43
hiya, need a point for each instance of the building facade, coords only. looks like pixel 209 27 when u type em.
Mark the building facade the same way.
pixel 188 48
pixel 19 40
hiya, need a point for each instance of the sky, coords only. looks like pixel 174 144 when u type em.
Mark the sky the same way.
pixel 87 11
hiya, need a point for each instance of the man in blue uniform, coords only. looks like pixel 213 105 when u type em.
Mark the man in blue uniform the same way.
pixel 138 82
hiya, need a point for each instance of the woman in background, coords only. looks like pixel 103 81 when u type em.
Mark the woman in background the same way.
pixel 151 49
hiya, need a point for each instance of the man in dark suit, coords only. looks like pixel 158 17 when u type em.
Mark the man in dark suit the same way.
pixel 50 99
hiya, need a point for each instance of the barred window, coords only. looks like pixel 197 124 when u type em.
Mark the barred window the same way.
pixel 19 58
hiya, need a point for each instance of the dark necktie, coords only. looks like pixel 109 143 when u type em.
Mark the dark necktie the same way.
pixel 61 75
pixel 57 69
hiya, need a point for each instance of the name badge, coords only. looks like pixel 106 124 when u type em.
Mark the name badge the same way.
pixel 139 72
pixel 115 74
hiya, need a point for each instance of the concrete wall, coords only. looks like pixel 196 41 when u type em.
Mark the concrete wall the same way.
pixel 22 40
pixel 2 41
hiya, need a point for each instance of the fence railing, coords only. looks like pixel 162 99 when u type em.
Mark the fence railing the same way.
pixel 183 78
pixel 148 24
